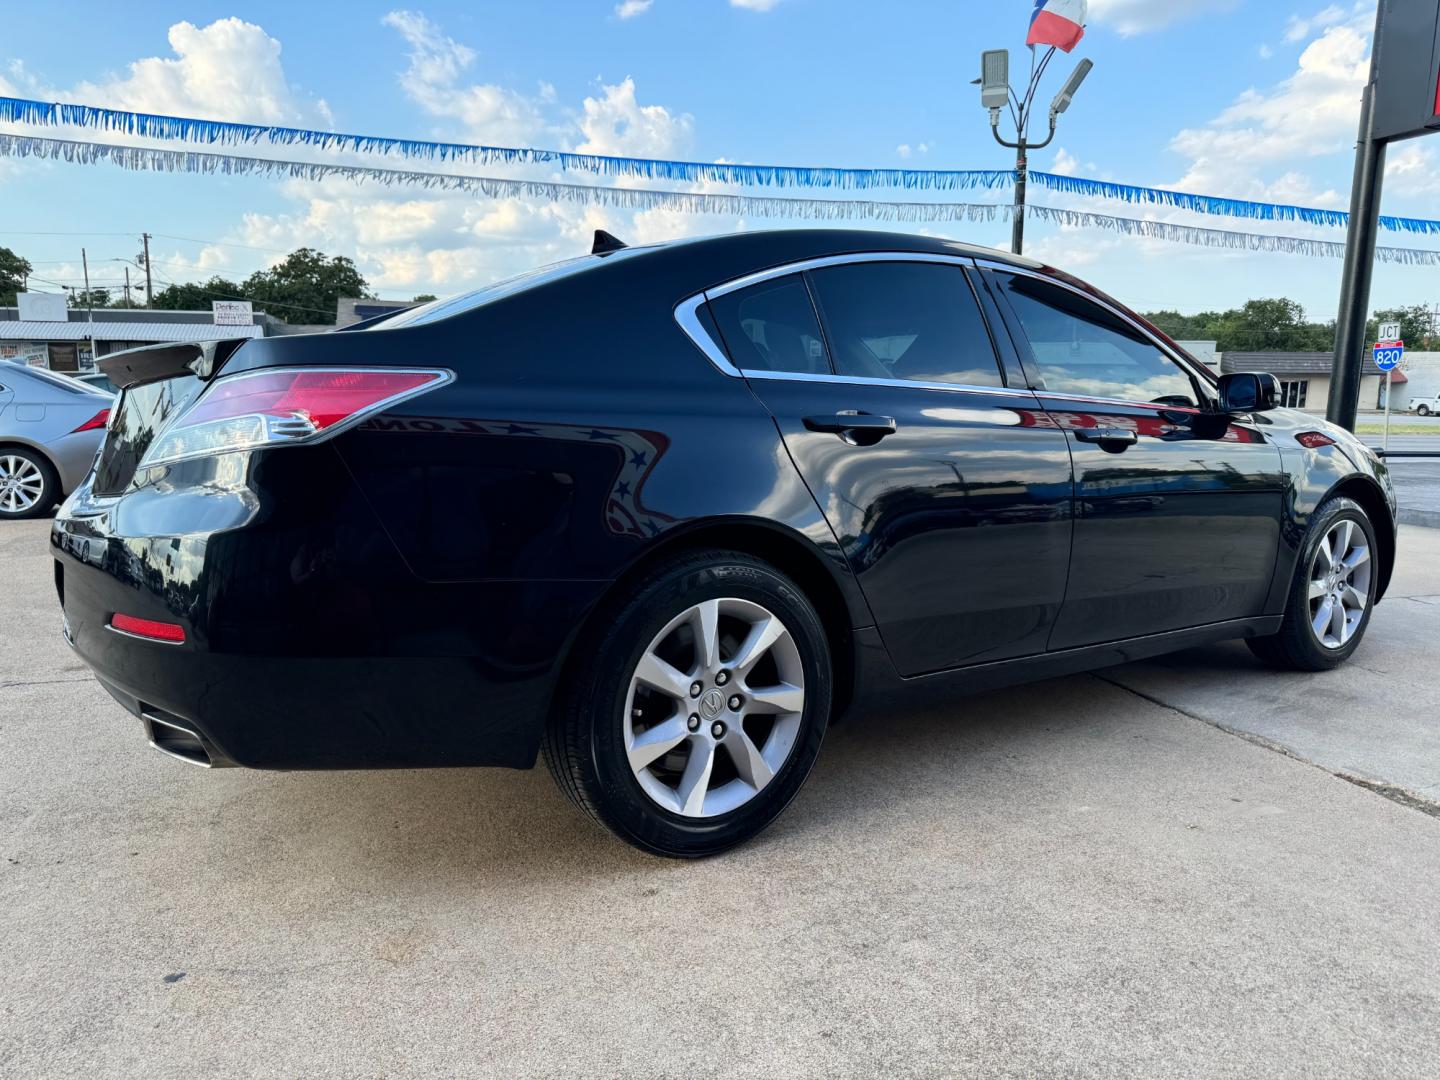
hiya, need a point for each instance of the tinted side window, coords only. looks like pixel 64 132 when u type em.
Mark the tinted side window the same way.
pixel 1083 349
pixel 911 321
pixel 772 327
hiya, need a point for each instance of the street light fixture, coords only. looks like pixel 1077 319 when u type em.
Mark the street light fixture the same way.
pixel 996 94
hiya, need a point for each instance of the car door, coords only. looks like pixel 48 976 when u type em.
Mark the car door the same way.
pixel 1178 509
pixel 951 503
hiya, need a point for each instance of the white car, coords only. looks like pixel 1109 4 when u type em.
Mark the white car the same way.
pixel 1425 406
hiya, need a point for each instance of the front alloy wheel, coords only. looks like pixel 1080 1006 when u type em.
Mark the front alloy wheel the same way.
pixel 27 485
pixel 1332 593
pixel 697 707
pixel 1339 591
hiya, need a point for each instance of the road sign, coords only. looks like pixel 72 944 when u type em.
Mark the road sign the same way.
pixel 1388 354
pixel 1390 331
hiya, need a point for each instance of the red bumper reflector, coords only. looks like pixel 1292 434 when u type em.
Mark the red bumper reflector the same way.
pixel 148 628
pixel 99 420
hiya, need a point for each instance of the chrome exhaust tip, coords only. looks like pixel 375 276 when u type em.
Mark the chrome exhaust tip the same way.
pixel 171 736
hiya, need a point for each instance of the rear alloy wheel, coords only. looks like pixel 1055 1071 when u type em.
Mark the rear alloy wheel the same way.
pixel 701 710
pixel 28 486
pixel 1333 592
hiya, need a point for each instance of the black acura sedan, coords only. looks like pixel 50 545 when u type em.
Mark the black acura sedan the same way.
pixel 663 513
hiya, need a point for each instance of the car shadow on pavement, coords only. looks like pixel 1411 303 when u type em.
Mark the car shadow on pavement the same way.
pixel 448 827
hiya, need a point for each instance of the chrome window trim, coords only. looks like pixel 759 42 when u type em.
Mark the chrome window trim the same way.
pixel 835 260
pixel 687 314
pixel 860 380
pixel 1184 364
pixel 688 318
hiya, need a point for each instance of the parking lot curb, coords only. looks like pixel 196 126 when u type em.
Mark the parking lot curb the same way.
pixel 1428 519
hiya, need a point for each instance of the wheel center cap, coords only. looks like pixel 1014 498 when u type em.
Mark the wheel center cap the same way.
pixel 712 704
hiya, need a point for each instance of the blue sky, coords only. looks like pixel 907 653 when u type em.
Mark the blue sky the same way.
pixel 1248 98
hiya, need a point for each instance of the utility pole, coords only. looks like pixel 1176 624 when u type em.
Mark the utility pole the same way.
pixel 145 239
pixel 996 94
pixel 127 287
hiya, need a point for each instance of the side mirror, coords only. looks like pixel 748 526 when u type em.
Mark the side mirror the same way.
pixel 1249 391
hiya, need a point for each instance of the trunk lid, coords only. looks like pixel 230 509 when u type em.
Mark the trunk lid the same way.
pixel 156 384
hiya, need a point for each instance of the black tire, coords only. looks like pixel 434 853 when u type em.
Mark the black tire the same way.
pixel 584 743
pixel 1295 647
pixel 1423 410
pixel 50 493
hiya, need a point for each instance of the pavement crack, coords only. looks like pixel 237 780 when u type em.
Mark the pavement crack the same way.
pixel 1394 793
pixel 43 682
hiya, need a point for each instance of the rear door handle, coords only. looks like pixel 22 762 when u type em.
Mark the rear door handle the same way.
pixel 861 429
pixel 1113 439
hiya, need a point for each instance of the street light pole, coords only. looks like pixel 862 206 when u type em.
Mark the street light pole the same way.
pixel 995 87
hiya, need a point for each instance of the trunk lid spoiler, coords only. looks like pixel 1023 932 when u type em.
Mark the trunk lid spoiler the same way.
pixel 152 363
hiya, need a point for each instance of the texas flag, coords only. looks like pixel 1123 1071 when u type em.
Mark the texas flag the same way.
pixel 1058 22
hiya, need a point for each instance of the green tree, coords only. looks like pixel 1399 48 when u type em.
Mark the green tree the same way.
pixel 424 298
pixel 1415 326
pixel 13 272
pixel 304 286
pixel 195 296
pixel 81 299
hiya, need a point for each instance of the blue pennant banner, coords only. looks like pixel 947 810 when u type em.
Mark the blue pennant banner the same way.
pixel 226 133
pixel 149 159
pixel 1212 204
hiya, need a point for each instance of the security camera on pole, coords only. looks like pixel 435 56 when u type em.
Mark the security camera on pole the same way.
pixel 1059 24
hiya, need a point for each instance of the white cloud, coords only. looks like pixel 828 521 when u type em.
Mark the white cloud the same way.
pixel 754 5
pixel 229 70
pixel 1266 52
pixel 616 123
pixel 1142 16
pixel 1065 163
pixel 905 150
pixel 1298 28
pixel 628 9
pixel 432 79
pixel 1312 113
pixel 1413 171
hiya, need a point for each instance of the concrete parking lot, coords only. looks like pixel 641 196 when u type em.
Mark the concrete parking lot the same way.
pixel 1189 867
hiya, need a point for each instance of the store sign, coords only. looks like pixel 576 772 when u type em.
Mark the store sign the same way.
pixel 43 307
pixel 232 312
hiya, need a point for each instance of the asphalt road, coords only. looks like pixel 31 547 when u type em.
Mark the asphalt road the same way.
pixel 1065 879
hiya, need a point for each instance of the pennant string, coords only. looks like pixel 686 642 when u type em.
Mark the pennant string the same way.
pixel 226 133
pixel 150 159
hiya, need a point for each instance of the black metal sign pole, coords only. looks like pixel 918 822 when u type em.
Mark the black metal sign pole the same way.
pixel 1359 268
pixel 1401 101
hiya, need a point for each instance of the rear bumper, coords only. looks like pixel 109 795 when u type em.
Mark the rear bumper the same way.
pixel 308 642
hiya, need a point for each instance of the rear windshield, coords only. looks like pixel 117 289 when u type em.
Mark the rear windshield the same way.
pixel 455 305
pixel 63 382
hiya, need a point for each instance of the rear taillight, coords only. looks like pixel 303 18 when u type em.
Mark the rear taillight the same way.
pixel 1314 440
pixel 283 407
pixel 99 420
pixel 173 633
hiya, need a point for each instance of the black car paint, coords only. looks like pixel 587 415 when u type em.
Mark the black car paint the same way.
pixel 408 593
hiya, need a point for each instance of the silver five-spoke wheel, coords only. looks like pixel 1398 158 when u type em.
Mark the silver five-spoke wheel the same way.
pixel 21 484
pixel 714 707
pixel 1339 584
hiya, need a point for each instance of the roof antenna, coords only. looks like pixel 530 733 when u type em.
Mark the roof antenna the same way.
pixel 605 243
